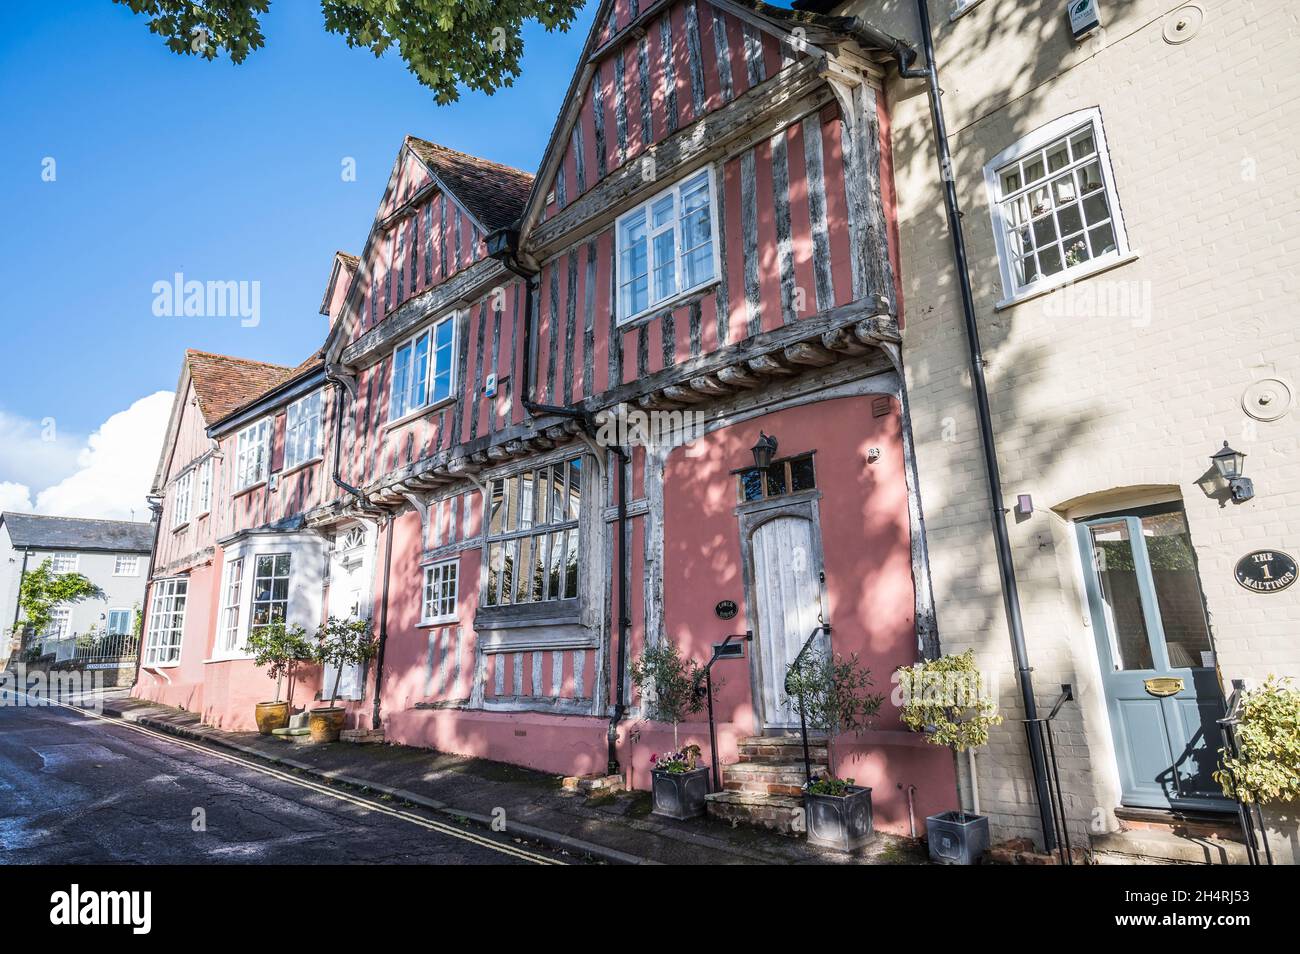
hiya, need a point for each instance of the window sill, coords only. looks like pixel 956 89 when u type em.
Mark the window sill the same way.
pixel 419 413
pixel 964 9
pixel 309 462
pixel 247 490
pixel 168 665
pixel 1061 279
pixel 178 528
pixel 668 304
pixel 225 659
pixel 439 621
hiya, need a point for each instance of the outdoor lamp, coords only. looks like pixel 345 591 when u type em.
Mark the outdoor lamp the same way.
pixel 1230 464
pixel 763 451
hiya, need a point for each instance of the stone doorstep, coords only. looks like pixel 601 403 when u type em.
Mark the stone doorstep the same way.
pixel 766 778
pixel 774 812
pixel 1021 851
pixel 594 784
pixel 1213 827
pixel 786 749
pixel 1165 847
pixel 293 735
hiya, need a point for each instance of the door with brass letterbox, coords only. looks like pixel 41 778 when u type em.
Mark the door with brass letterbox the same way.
pixel 1157 660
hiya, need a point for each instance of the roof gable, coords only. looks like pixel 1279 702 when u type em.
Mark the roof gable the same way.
pixel 37 531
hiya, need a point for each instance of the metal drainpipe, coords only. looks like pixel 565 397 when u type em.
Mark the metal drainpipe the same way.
pixel 502 246
pixel 155 507
pixel 904 55
pixel 375 722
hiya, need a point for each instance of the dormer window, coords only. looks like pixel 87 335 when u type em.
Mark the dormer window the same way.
pixel 251 454
pixel 302 431
pixel 422 370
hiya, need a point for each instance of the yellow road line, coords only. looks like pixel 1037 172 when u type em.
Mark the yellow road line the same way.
pixel 323 789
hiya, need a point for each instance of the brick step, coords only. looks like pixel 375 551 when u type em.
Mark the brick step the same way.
pixel 1187 824
pixel 772 778
pixel 774 812
pixel 781 748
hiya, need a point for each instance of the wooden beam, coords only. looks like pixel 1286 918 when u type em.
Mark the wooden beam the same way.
pixel 809 354
pixel 770 365
pixel 738 376
pixel 683 395
pixel 710 385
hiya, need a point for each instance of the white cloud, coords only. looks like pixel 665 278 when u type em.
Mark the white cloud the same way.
pixel 36 453
pixel 111 472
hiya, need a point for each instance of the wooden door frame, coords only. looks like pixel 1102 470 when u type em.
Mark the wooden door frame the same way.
pixel 751 516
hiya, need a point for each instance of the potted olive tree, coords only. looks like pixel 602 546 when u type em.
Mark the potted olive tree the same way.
pixel 832 695
pixel 670 690
pixel 944 698
pixel 339 643
pixel 278 649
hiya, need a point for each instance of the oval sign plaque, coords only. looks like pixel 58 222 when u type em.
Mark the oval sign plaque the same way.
pixel 726 609
pixel 1266 571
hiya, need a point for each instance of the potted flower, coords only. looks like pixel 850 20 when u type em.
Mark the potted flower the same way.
pixel 832 695
pixel 944 698
pixel 339 643
pixel 277 649
pixel 670 690
pixel 1266 764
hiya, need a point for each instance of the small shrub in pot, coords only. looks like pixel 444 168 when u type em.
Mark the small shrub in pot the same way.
pixel 339 643
pixel 670 691
pixel 278 649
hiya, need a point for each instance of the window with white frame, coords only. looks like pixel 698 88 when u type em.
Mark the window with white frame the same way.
pixel 532 535
pixel 251 454
pixel 64 562
pixel 1055 210
pixel 440 589
pixel 166 622
pixel 60 624
pixel 126 564
pixel 203 494
pixel 666 246
pixel 231 602
pixel 270 589
pixel 422 369
pixel 302 430
pixel 182 497
pixel 119 622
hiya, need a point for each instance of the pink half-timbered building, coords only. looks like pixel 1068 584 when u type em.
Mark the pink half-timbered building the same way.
pixel 707 248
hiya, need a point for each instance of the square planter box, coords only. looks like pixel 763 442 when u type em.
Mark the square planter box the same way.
pixel 957 838
pixel 680 795
pixel 842 822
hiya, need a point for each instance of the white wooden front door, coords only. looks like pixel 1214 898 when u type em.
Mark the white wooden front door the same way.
pixel 787 606
pixel 350 599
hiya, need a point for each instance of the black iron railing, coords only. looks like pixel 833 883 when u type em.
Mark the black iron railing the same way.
pixel 720 651
pixel 803 718
pixel 1042 729
pixel 1249 814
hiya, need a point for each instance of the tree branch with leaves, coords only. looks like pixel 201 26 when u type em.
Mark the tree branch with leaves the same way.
pixel 42 591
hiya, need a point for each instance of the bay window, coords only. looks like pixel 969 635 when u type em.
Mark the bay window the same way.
pixel 666 246
pixel 532 535
pixel 166 622
pixel 302 430
pixel 231 604
pixel 422 369
pixel 251 454
pixel 270 589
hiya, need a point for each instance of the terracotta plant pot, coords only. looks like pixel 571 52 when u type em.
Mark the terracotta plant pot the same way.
pixel 326 723
pixel 270 716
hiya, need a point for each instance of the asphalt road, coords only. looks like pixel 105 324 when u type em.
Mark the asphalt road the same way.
pixel 77 789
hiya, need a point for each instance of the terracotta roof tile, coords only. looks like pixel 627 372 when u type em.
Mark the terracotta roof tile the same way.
pixel 223 383
pixel 494 193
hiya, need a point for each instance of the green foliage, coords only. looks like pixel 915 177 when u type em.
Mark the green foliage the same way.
pixel 1267 768
pixel 277 648
pixel 945 698
pixel 343 642
pixel 445 43
pixel 42 590
pixel 669 685
pixel 830 785
pixel 831 693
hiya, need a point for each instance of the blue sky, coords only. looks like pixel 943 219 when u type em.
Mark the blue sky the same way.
pixel 166 163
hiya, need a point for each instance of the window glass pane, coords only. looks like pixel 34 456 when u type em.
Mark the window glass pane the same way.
pixel 1045 230
pixel 1102 239
pixel 1112 555
pixel 1076 252
pixel 1082 145
pixel 665 279
pixel 1095 208
pixel 571 566
pixel 557 561
pixel 697 265
pixel 1034 169
pixel 634 264
pixel 1090 178
pixel 528 505
pixel 801 474
pixel 776 480
pixel 524 581
pixel 496 521
pixel 539 568
pixel 1063 189
pixel 1070 220
pixel 751 484
pixel 575 488
pixel 509 560
pixel 494 575
pixel 511 518
pixel 1058 157
pixel 1039 201
pixel 1010 180
pixel 444 336
pixel 401 362
pixel 1178 590
pixel 1050 259
pixel 661 213
pixel 419 373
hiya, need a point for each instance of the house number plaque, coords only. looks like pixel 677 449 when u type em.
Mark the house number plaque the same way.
pixel 726 609
pixel 1266 571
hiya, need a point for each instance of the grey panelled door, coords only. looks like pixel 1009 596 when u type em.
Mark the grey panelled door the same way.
pixel 1157 663
pixel 787 604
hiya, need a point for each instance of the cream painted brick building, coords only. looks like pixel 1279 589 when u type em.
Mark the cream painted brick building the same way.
pixel 1103 403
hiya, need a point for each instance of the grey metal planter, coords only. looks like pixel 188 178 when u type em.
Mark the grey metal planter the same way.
pixel 957 838
pixel 680 794
pixel 842 822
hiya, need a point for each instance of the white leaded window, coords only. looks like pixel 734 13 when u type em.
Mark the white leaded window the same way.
pixel 182 498
pixel 166 622
pixel 1056 214
pixel 302 430
pixel 64 562
pixel 270 589
pixel 60 624
pixel 119 622
pixel 231 602
pixel 422 369
pixel 666 246
pixel 440 589
pixel 532 537
pixel 203 493
pixel 126 564
pixel 251 454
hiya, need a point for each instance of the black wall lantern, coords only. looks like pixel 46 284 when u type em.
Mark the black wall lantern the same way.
pixel 1230 464
pixel 764 451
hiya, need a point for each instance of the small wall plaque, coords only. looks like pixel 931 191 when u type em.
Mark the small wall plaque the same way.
pixel 1266 571
pixel 726 609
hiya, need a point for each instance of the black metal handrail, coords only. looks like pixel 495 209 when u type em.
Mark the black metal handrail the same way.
pixel 1249 814
pixel 803 719
pixel 747 636
pixel 1042 727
